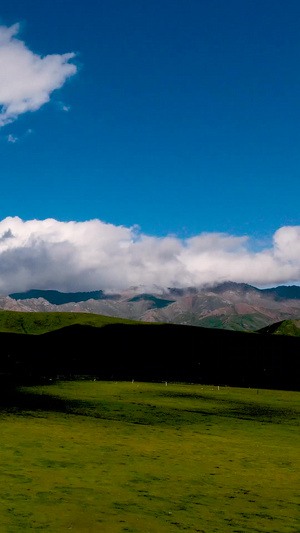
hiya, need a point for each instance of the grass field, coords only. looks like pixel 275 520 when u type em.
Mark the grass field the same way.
pixel 38 323
pixel 148 458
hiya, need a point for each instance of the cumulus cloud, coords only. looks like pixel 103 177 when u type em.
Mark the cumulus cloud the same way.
pixel 72 256
pixel 28 79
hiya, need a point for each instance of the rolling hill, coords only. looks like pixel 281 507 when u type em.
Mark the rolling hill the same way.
pixel 290 328
pixel 39 323
pixel 143 352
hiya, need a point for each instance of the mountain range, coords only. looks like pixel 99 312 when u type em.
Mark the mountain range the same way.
pixel 233 306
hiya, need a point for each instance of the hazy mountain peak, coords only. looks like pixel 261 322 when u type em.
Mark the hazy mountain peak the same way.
pixel 231 286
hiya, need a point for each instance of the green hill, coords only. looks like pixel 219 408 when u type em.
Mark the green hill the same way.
pixel 289 328
pixel 38 323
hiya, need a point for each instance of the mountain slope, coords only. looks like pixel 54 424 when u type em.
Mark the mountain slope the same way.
pixel 234 306
pixel 285 293
pixel 289 328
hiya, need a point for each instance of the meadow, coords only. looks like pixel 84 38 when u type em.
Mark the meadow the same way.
pixel 39 323
pixel 92 456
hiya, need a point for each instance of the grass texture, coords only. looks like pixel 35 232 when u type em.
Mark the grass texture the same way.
pixel 38 323
pixel 149 458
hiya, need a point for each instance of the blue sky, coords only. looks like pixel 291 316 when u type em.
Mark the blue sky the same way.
pixel 183 117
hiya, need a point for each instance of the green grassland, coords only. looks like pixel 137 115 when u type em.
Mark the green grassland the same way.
pixel 149 458
pixel 290 328
pixel 38 323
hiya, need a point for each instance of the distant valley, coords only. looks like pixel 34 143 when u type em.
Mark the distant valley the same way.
pixel 232 306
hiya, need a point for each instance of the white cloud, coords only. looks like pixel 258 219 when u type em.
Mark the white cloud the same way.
pixel 27 79
pixel 62 107
pixel 92 254
pixel 11 138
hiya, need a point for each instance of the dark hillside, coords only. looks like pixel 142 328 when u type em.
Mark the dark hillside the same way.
pixel 156 353
pixel 59 298
pixel 282 292
pixel 159 303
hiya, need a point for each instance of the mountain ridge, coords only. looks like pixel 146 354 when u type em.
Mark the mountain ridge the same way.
pixel 228 305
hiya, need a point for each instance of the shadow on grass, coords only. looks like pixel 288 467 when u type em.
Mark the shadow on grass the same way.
pixel 254 409
pixel 15 399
